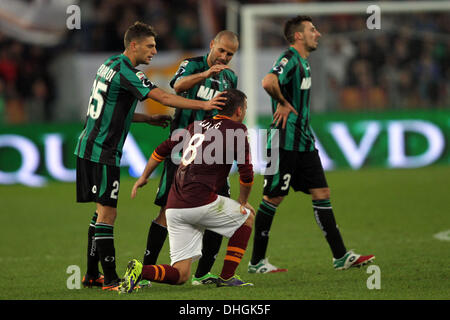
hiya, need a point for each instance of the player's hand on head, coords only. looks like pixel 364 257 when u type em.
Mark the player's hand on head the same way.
pixel 160 120
pixel 282 114
pixel 138 184
pixel 215 103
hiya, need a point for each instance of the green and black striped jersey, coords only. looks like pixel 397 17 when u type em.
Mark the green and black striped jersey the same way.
pixel 205 90
pixel 114 95
pixel 294 78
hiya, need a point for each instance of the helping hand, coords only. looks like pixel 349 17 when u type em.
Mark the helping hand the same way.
pixel 215 102
pixel 160 120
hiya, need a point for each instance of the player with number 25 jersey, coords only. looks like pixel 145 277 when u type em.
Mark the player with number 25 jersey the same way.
pixel 115 92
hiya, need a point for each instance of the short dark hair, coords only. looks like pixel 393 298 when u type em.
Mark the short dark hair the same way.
pixel 137 31
pixel 235 98
pixel 294 25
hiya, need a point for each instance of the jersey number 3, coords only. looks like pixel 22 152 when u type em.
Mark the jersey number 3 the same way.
pixel 98 88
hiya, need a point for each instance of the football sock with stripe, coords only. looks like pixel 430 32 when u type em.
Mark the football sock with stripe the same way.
pixel 157 234
pixel 92 254
pixel 263 222
pixel 235 251
pixel 211 247
pixel 162 273
pixel 324 215
pixel 104 239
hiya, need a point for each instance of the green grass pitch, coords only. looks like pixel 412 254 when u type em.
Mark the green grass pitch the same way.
pixel 393 214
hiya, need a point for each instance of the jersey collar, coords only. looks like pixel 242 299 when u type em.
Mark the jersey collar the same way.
pixel 219 117
pixel 126 58
pixel 297 54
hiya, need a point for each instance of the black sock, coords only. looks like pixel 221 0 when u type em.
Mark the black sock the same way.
pixel 104 239
pixel 92 254
pixel 263 222
pixel 211 247
pixel 155 240
pixel 323 213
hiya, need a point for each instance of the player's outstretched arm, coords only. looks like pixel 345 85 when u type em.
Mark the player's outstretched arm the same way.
pixel 173 100
pixel 143 179
pixel 270 84
pixel 160 153
pixel 187 82
pixel 160 120
pixel 246 176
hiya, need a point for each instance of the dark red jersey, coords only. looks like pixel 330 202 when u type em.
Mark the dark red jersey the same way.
pixel 209 148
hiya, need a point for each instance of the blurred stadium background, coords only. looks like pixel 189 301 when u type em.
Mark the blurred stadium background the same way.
pixel 363 79
pixel 380 112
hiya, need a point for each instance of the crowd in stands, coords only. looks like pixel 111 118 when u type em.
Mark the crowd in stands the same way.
pixel 25 82
pixel 176 22
pixel 400 66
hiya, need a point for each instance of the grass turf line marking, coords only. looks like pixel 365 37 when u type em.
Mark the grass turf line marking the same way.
pixel 443 236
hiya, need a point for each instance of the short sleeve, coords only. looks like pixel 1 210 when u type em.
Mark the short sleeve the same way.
pixel 186 68
pixel 282 68
pixel 137 83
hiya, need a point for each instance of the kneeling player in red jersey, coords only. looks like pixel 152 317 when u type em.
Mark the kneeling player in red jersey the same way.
pixel 209 149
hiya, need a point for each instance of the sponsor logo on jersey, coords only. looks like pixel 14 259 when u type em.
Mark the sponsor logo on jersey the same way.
pixel 278 69
pixel 184 64
pixel 206 93
pixel 141 75
pixel 143 78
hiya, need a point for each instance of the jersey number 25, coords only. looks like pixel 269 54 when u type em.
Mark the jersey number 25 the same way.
pixel 94 111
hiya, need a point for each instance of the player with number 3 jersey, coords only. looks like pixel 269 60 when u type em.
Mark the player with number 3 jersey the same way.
pixel 299 166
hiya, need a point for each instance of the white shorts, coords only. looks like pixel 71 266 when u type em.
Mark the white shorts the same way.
pixel 186 226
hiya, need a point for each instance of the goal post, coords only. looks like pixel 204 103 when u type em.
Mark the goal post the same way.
pixel 249 14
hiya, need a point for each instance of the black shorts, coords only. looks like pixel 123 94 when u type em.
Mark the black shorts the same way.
pixel 97 182
pixel 165 183
pixel 300 170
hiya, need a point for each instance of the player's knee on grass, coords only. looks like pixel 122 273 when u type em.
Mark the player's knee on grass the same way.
pixel 184 269
pixel 161 218
pixel 184 277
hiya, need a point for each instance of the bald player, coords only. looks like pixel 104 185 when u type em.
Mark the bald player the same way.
pixel 199 78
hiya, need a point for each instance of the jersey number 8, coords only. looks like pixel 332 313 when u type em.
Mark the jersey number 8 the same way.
pixel 192 148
